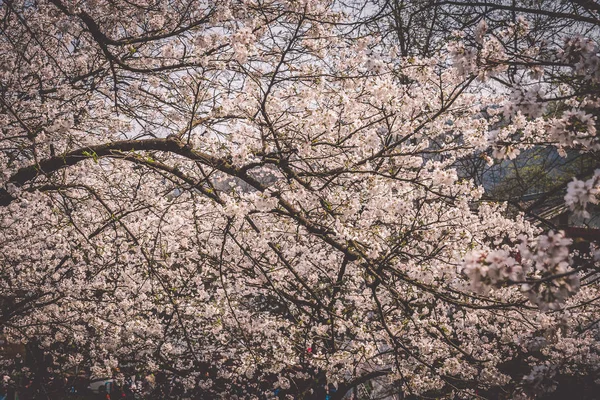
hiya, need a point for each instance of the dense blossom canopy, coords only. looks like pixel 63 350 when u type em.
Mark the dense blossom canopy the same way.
pixel 250 195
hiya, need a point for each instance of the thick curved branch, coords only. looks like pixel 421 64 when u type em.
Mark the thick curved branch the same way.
pixel 53 164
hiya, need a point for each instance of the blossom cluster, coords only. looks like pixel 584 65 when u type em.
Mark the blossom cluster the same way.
pixel 581 193
pixel 543 270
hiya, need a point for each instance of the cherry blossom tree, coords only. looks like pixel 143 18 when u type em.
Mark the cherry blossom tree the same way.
pixel 251 196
